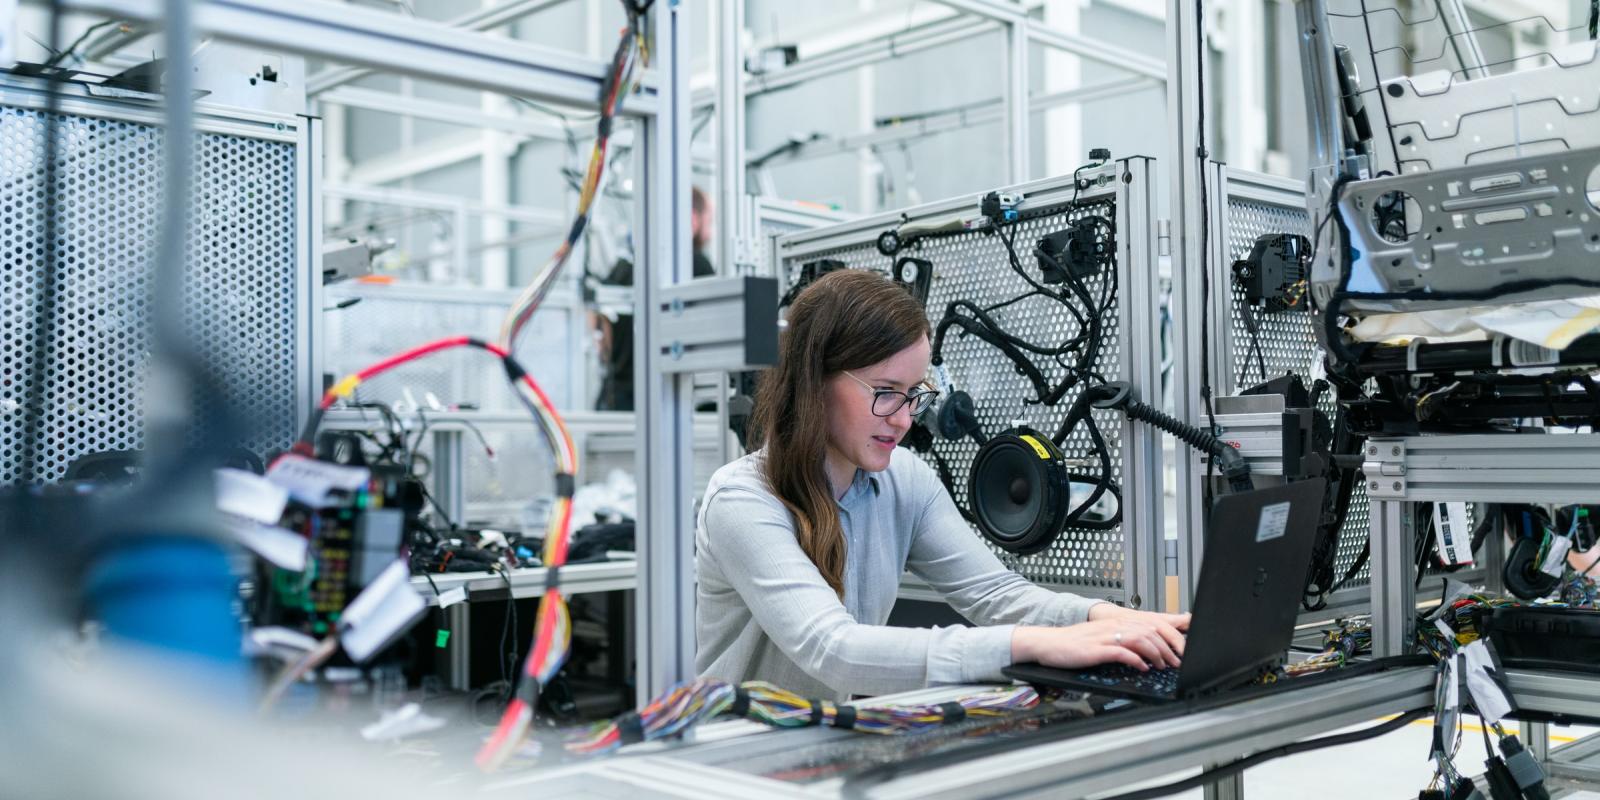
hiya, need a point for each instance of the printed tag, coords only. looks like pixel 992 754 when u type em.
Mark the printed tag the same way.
pixel 450 597
pixel 1555 561
pixel 1450 529
pixel 249 495
pixel 1274 522
pixel 314 482
pixel 1483 683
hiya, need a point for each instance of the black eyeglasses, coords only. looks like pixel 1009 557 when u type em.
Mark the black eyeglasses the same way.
pixel 887 401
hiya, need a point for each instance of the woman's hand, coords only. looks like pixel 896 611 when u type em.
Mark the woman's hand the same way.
pixel 1112 611
pixel 1139 639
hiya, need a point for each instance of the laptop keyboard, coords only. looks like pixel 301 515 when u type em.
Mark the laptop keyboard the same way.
pixel 1155 681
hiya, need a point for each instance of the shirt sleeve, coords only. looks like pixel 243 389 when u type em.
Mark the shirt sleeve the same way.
pixel 752 538
pixel 949 556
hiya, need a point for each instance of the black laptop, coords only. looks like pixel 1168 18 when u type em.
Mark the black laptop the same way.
pixel 1258 548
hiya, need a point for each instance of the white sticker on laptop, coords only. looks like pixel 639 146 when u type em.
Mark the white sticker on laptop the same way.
pixel 1274 522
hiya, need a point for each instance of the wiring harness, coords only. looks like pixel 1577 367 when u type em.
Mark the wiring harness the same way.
pixel 688 704
pixel 553 632
pixel 631 55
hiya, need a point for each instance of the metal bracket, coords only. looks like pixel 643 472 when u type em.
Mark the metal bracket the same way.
pixel 1385 469
pixel 722 325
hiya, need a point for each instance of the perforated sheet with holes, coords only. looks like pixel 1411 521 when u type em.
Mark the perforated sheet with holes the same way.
pixel 241 288
pixel 975 267
pixel 1287 344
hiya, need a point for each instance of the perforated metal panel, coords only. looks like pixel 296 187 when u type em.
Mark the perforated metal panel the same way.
pixel 1287 344
pixel 975 267
pixel 242 286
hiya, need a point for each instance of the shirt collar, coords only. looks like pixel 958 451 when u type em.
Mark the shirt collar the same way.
pixel 859 487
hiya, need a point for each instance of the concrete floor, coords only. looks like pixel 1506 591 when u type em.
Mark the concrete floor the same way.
pixel 1391 767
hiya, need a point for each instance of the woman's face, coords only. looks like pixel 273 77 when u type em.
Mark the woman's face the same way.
pixel 855 434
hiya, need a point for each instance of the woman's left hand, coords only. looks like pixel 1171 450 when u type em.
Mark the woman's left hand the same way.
pixel 1116 612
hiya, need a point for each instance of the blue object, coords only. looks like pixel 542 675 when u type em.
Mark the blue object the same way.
pixel 169 593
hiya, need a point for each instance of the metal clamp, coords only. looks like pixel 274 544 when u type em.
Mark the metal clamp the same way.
pixel 1385 469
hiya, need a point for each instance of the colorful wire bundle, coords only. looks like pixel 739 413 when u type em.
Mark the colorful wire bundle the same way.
pixel 1340 645
pixel 632 53
pixel 688 704
pixel 553 633
pixel 1464 616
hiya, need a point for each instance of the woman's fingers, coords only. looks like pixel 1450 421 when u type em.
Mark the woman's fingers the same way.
pixel 1118 654
pixel 1173 637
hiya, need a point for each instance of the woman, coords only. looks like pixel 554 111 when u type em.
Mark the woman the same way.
pixel 800 546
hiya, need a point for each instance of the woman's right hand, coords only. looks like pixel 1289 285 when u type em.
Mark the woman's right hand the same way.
pixel 1138 643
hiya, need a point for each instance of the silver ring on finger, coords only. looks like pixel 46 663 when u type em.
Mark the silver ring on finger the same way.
pixel 1117 637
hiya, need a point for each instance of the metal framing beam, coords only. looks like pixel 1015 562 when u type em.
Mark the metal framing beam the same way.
pixel 391 43
pixel 873 51
pixel 664 460
pixel 441 111
pixel 989 112
pixel 1190 194
pixel 483 19
pixel 1137 63
pixel 1083 766
pixel 1017 120
pixel 730 137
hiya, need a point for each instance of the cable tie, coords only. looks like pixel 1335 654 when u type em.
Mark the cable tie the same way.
pixel 528 691
pixel 552 578
pixel 741 702
pixel 566 484
pixel 816 711
pixel 630 728
pixel 844 717
pixel 953 712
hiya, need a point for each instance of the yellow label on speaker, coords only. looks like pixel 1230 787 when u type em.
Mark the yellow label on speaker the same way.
pixel 1037 447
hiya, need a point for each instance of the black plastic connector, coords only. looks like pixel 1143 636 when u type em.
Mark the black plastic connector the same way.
pixel 1465 789
pixel 1501 785
pixel 1524 769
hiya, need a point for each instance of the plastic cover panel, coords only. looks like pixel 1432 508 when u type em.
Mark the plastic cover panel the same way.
pixel 241 288
pixel 974 266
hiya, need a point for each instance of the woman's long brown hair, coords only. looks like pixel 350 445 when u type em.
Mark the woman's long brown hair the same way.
pixel 845 320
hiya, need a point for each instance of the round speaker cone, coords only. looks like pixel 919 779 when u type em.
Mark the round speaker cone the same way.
pixel 1018 490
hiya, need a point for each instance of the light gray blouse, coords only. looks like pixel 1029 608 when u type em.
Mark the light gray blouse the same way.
pixel 764 612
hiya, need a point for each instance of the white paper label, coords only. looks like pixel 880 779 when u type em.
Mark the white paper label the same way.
pixel 271 638
pixel 314 482
pixel 1274 522
pixel 450 597
pixel 249 495
pixel 279 547
pixel 383 610
pixel 1555 561
pixel 1451 532
pixel 1490 700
